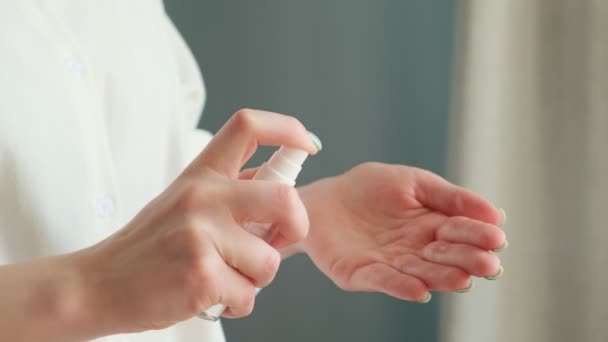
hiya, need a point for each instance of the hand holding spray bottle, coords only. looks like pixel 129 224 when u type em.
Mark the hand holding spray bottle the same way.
pixel 284 166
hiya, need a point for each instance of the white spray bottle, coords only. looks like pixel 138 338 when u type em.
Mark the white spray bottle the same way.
pixel 284 166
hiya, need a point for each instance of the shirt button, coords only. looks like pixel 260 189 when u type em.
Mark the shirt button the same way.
pixel 104 207
pixel 74 65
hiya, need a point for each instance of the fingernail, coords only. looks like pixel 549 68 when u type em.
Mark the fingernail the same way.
pixel 502 248
pixel 426 300
pixel 315 140
pixel 504 216
pixel 498 275
pixel 467 289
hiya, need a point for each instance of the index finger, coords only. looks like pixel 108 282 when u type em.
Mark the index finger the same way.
pixel 238 139
pixel 452 200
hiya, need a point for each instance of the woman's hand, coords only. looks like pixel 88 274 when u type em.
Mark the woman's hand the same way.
pixel 400 230
pixel 186 250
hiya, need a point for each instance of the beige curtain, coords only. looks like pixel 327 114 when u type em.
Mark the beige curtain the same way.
pixel 530 131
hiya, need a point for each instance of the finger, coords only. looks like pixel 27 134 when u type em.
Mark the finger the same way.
pixel 248 173
pixel 222 284
pixel 238 139
pixel 278 241
pixel 437 277
pixel 249 255
pixel 269 202
pixel 236 292
pixel 441 195
pixel 460 229
pixel 383 278
pixel 471 259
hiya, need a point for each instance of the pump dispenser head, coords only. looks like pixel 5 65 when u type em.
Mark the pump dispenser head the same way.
pixel 286 163
pixel 284 166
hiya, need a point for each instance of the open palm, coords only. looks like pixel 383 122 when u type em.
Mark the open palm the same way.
pixel 402 231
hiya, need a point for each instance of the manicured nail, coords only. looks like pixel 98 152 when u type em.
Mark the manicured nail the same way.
pixel 426 300
pixel 315 140
pixel 504 216
pixel 498 275
pixel 467 289
pixel 502 248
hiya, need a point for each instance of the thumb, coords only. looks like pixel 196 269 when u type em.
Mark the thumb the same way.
pixel 452 200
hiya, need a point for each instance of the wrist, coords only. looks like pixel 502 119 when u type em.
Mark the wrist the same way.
pixel 315 196
pixel 58 300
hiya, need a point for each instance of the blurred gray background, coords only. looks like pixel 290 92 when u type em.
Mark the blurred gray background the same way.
pixel 372 79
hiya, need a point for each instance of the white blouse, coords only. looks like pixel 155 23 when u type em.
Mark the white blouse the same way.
pixel 98 106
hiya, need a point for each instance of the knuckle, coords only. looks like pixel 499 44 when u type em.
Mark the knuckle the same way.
pixel 404 262
pixel 196 301
pixel 457 203
pixel 192 237
pixel 438 248
pixel 201 193
pixel 294 123
pixel 457 221
pixel 458 278
pixel 269 268
pixel 484 264
pixel 203 274
pixel 191 197
pixel 243 119
pixel 418 291
pixel 487 238
pixel 190 233
pixel 495 237
pixel 447 228
pixel 286 194
pixel 200 279
pixel 184 242
pixel 246 302
pixel 412 290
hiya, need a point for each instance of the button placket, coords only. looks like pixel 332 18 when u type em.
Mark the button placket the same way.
pixel 104 207
pixel 75 66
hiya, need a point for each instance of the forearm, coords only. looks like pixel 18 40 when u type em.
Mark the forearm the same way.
pixel 44 300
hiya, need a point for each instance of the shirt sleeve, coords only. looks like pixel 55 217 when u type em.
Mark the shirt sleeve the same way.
pixel 192 88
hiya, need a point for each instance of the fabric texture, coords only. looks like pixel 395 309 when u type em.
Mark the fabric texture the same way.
pixel 530 131
pixel 99 104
